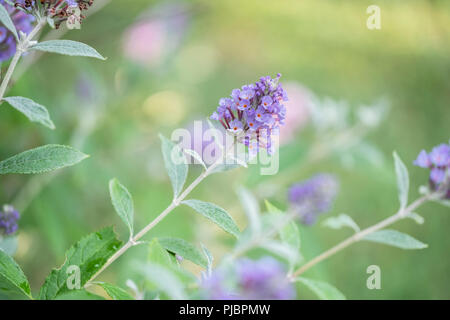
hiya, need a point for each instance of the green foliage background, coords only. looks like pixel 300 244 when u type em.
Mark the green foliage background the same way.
pixel 323 44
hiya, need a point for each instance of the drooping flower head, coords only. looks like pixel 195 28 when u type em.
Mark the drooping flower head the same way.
pixel 58 10
pixel 8 220
pixel 246 279
pixel 22 21
pixel 313 196
pixel 438 161
pixel 254 113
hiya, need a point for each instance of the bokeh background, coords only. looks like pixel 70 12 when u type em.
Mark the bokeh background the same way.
pixel 168 64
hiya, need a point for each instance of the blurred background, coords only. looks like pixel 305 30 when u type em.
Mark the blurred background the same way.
pixel 355 96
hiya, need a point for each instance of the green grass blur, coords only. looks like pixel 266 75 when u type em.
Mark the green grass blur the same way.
pixel 324 45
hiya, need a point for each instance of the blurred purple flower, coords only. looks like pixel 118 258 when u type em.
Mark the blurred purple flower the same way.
pixel 263 279
pixel 313 197
pixel 8 220
pixel 438 161
pixel 22 21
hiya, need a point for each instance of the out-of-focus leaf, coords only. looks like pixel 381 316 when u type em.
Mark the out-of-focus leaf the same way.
pixel 8 244
pixel 395 239
pixel 184 249
pixel 115 292
pixel 32 110
pixel 341 221
pixel 194 154
pixel 323 290
pixel 216 214
pixel 69 48
pixel 175 163
pixel 5 19
pixel 416 217
pixel 89 255
pixel 80 294
pixel 251 209
pixel 123 203
pixel 42 159
pixel 13 282
pixel 402 180
pixel 289 233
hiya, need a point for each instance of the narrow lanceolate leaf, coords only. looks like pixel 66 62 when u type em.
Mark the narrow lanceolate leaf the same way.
pixel 32 110
pixel 164 279
pixel 68 47
pixel 115 292
pixel 194 154
pixel 42 159
pixel 402 180
pixel 341 221
pixel 184 249
pixel 88 255
pixel 251 209
pixel 175 163
pixel 5 19
pixel 80 294
pixel 289 234
pixel 395 239
pixel 323 290
pixel 13 282
pixel 216 214
pixel 122 202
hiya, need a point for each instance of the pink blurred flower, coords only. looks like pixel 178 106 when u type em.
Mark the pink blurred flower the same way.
pixel 297 110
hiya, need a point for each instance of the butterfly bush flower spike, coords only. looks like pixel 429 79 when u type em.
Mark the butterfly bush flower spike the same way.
pixel 313 197
pixel 438 161
pixel 8 220
pixel 247 279
pixel 254 113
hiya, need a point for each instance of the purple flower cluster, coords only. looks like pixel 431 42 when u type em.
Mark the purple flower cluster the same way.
pixel 438 161
pixel 8 220
pixel 263 279
pixel 254 113
pixel 313 196
pixel 22 21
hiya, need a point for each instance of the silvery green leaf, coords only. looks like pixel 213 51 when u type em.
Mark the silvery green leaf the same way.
pixel 216 214
pixel 163 279
pixel 341 221
pixel 323 290
pixel 115 292
pixel 32 110
pixel 123 203
pixel 13 282
pixel 289 234
pixel 42 159
pixel 395 239
pixel 444 202
pixel 283 250
pixel 251 209
pixel 89 255
pixel 225 167
pixel 80 294
pixel 8 244
pixel 5 19
pixel 175 163
pixel 194 154
pixel 216 136
pixel 68 47
pixel 402 180
pixel 416 217
pixel 51 22
pixel 184 249
pixel 209 259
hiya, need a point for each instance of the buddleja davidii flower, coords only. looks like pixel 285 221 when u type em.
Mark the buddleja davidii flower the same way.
pixel 313 197
pixel 438 161
pixel 57 10
pixel 8 220
pixel 254 113
pixel 247 279
pixel 22 21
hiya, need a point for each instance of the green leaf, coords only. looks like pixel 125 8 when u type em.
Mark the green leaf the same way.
pixel 5 19
pixel 225 167
pixel 175 163
pixel 115 292
pixel 402 180
pixel 8 244
pixel 251 209
pixel 32 110
pixel 80 294
pixel 289 234
pixel 341 221
pixel 68 47
pixel 184 249
pixel 122 202
pixel 13 282
pixel 89 254
pixel 395 239
pixel 323 290
pixel 216 214
pixel 194 154
pixel 209 259
pixel 42 159
pixel 158 255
